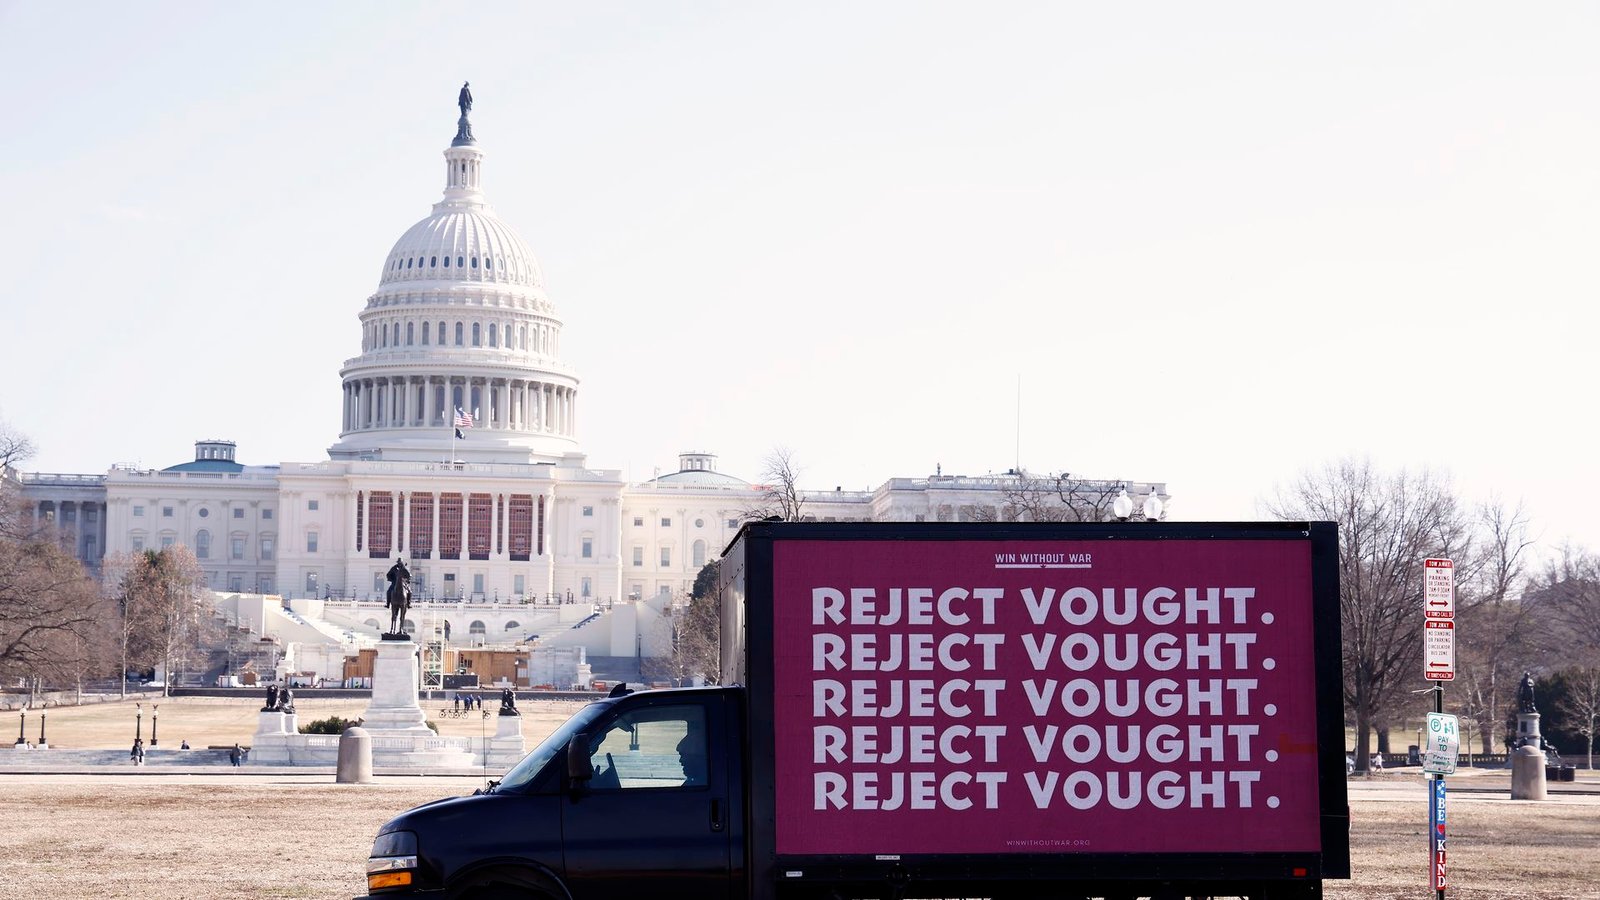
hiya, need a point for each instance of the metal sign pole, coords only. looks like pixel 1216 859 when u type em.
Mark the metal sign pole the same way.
pixel 1436 806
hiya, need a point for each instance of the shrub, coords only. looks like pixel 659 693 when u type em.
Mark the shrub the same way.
pixel 330 725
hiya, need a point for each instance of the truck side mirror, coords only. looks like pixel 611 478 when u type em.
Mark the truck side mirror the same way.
pixel 579 768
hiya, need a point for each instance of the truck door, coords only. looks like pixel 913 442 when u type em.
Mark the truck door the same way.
pixel 654 820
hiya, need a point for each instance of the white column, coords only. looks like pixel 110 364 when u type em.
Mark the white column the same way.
pixel 437 497
pixel 502 406
pixel 494 524
pixel 428 401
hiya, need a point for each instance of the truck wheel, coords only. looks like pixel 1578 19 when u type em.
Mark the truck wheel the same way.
pixel 507 884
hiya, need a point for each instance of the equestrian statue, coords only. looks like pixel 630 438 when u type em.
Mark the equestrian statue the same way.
pixel 398 598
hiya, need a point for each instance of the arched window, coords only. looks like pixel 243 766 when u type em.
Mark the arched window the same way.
pixel 424 334
pixel 459 261
pixel 459 328
pixel 447 262
pixel 513 626
pixel 699 554
pixel 476 629
pixel 476 341
pixel 409 262
pixel 411 627
pixel 386 334
pixel 442 337
pixel 494 335
pixel 474 262
pixel 433 261
pixel 522 337
pixel 373 624
pixel 488 262
pixel 202 544
pixel 410 333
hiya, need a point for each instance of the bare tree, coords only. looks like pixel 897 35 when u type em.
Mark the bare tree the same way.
pixel 1581 702
pixel 780 489
pixel 1388 524
pixel 1056 497
pixel 1570 584
pixel 697 632
pixel 15 448
pixel 164 604
pixel 50 614
pixel 1494 638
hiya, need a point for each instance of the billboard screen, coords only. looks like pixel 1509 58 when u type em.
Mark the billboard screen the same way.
pixel 1092 696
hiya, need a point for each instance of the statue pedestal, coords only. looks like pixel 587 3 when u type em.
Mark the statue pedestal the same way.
pixel 272 722
pixel 1527 773
pixel 506 748
pixel 394 706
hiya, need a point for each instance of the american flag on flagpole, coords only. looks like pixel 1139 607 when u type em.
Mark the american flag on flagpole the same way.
pixel 463 419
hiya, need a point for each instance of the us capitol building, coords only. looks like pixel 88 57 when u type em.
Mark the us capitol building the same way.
pixel 511 512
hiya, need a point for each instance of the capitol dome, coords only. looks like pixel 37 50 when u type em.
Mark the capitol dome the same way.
pixel 459 338
pixel 462 243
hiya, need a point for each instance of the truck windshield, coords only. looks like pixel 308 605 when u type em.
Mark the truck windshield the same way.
pixel 523 772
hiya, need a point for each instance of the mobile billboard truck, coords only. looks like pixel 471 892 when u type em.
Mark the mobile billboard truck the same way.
pixel 948 710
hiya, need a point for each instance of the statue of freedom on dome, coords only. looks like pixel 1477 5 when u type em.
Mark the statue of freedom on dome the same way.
pixel 463 127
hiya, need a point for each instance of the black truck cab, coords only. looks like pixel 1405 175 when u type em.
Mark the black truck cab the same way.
pixel 635 795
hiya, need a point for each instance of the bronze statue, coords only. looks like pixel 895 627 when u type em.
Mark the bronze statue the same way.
pixel 272 698
pixel 464 100
pixel 1525 694
pixel 398 598
pixel 508 703
pixel 286 700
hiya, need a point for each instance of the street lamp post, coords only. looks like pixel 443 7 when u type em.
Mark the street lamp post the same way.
pixel 138 721
pixel 154 711
pixel 43 744
pixel 22 728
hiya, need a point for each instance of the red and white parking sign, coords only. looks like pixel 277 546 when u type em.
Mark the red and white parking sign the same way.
pixel 1439 650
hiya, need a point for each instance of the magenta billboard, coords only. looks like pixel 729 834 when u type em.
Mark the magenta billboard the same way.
pixel 1094 696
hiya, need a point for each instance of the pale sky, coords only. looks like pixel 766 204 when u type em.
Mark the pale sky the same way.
pixel 1216 244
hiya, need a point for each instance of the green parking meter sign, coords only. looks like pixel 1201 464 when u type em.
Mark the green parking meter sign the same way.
pixel 1442 744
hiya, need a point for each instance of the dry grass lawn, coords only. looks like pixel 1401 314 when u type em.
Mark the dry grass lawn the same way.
pixel 220 721
pixel 146 836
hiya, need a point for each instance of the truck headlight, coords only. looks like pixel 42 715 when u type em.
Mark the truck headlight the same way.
pixel 393 862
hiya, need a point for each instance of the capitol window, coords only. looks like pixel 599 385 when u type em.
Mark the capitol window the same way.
pixel 488 262
pixel 476 340
pixel 238 512
pixel 447 262
pixel 424 334
pixel 459 330
pixel 433 261
pixel 138 511
pixel 494 335
pixel 166 512
pixel 474 262
pixel 410 333
pixel 459 261
pixel 408 263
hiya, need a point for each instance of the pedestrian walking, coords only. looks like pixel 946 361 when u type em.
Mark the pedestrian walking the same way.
pixel 136 756
pixel 234 755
